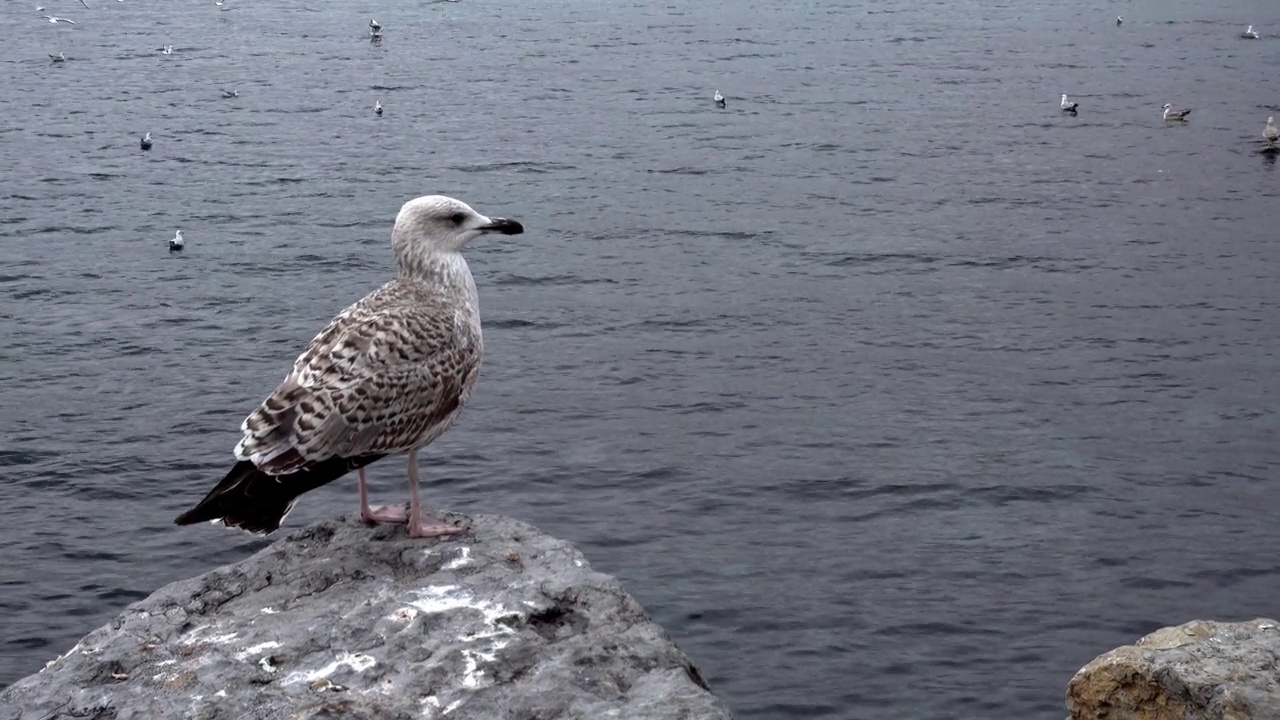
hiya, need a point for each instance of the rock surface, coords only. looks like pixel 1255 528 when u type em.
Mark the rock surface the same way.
pixel 340 620
pixel 1201 670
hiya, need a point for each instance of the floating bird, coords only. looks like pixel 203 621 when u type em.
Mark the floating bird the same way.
pixel 1067 106
pixel 719 99
pixel 167 49
pixel 217 3
pixel 377 107
pixel 375 30
pixel 146 145
pixel 39 8
pixel 1271 132
pixel 230 93
pixel 387 376
pixel 1249 34
pixel 1119 20
pixel 55 20
pixel 175 245
pixel 1171 114
pixel 59 57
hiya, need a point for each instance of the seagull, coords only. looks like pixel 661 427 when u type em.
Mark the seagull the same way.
pixel 1271 132
pixel 387 376
pixel 167 50
pixel 85 4
pixel 1171 114
pixel 55 20
pixel 719 99
pixel 1067 106
pixel 146 145
pixel 1119 20
pixel 374 27
pixel 1249 34
pixel 59 57
pixel 377 107
pixel 217 3
pixel 175 245
pixel 230 93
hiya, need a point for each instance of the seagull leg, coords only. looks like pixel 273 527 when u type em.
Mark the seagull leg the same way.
pixel 432 526
pixel 385 514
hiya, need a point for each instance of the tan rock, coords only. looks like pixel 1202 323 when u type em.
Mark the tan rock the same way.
pixel 1202 670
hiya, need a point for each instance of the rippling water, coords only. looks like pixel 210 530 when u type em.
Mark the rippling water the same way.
pixel 888 390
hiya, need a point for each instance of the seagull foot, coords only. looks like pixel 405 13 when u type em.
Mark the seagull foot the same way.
pixel 384 514
pixel 432 527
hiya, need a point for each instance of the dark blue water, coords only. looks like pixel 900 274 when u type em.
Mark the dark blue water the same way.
pixel 888 390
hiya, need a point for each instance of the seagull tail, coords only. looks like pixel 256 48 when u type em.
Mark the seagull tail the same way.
pixel 253 501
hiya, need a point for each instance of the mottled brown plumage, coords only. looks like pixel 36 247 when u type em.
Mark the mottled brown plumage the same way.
pixel 388 375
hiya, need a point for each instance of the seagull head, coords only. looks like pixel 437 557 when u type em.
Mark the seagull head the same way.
pixel 1167 106
pixel 435 224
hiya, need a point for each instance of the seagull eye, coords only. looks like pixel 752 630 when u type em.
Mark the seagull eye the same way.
pixel 457 218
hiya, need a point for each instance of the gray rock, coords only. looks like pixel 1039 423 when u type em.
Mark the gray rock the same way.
pixel 1201 670
pixel 340 620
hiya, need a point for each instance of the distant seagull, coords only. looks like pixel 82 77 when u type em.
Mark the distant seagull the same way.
pixel 56 20
pixel 59 57
pixel 175 245
pixel 146 142
pixel 374 27
pixel 167 50
pixel 377 107
pixel 1067 106
pixel 1271 132
pixel 1171 114
pixel 218 3
pixel 1119 20
pixel 85 4
pixel 719 99
pixel 39 8
pixel 1249 34
pixel 230 93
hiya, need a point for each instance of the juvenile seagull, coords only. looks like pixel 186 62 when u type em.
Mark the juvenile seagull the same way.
pixel 1249 34
pixel 230 93
pixel 146 145
pixel 1171 114
pixel 719 99
pixel 1271 132
pixel 377 107
pixel 59 57
pixel 1067 106
pixel 387 376
pixel 175 245
pixel 55 20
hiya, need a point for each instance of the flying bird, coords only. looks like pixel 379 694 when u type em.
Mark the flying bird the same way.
pixel 719 99
pixel 1171 114
pixel 1068 106
pixel 146 145
pixel 177 243
pixel 387 376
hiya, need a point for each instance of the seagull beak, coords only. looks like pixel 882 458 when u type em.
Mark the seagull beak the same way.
pixel 502 225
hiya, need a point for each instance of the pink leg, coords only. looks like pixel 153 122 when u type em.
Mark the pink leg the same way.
pixel 386 514
pixel 422 524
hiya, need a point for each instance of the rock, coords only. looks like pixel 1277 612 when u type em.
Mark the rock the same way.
pixel 1202 670
pixel 340 620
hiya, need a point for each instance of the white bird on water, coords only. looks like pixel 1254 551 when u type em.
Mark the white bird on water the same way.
pixel 230 93
pixel 1271 132
pixel 59 57
pixel 1067 106
pixel 175 245
pixel 374 28
pixel 719 99
pixel 1249 34
pixel 145 143
pixel 1171 114
pixel 55 20
pixel 377 107
pixel 167 50
pixel 387 376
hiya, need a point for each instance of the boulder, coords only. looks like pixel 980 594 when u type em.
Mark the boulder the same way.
pixel 340 620
pixel 1201 670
